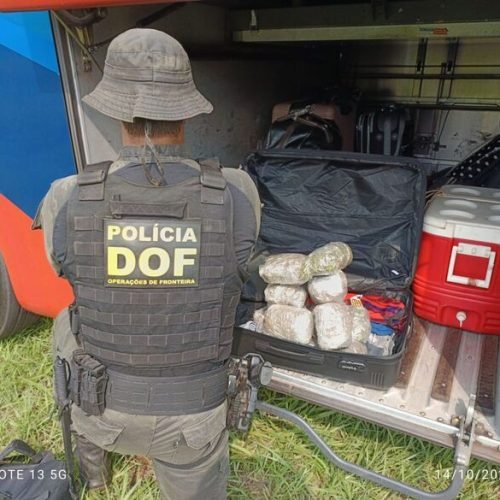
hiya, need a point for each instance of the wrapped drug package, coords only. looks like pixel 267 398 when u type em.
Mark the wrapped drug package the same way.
pixel 333 324
pixel 361 326
pixel 286 294
pixel 290 323
pixel 330 288
pixel 329 259
pixel 285 269
pixel 356 348
pixel 258 319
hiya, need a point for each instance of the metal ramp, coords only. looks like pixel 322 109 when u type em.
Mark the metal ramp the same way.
pixel 441 369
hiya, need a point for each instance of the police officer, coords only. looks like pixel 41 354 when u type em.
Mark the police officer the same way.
pixel 155 248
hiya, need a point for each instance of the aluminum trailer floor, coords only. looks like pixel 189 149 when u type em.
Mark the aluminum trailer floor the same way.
pixel 441 369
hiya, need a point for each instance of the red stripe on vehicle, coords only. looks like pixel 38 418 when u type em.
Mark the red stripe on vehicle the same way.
pixel 35 284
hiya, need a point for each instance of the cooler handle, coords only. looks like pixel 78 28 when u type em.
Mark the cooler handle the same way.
pixel 310 357
pixel 474 251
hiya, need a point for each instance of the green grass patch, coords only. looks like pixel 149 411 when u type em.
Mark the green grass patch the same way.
pixel 274 461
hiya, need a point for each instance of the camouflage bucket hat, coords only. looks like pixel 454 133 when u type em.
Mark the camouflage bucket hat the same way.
pixel 147 74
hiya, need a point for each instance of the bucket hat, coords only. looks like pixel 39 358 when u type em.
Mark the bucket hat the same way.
pixel 147 74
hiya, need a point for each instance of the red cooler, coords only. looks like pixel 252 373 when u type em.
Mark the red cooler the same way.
pixel 457 282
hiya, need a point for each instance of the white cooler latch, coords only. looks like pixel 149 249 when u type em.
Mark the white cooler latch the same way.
pixel 478 251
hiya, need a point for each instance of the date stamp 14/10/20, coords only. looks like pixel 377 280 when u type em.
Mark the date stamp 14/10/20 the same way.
pixel 469 474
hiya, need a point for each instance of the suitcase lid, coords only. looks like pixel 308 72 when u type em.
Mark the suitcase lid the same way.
pixel 374 203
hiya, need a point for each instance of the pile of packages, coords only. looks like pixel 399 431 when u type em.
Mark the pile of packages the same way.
pixel 308 303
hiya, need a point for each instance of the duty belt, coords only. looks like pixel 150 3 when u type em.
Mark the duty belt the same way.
pixel 166 395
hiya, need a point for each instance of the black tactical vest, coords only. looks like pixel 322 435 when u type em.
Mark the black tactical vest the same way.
pixel 154 272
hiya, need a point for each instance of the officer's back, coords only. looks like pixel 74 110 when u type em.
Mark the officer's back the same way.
pixel 155 249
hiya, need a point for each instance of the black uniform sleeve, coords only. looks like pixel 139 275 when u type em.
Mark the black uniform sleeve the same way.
pixel 246 223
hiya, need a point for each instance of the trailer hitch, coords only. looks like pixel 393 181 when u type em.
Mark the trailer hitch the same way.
pixel 251 372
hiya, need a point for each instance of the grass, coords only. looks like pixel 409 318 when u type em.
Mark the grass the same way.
pixel 274 461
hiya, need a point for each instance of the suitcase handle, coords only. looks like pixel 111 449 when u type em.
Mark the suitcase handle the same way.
pixel 310 357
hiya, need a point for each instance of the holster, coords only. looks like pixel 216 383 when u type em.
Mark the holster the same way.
pixel 74 320
pixel 88 383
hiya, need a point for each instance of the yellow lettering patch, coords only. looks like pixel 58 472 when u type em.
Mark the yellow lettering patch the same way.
pixel 154 254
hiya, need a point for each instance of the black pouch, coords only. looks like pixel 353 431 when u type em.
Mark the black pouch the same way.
pixel 74 320
pixel 88 383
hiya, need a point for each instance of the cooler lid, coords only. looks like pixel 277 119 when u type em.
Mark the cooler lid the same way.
pixel 373 203
pixel 458 213
pixel 471 193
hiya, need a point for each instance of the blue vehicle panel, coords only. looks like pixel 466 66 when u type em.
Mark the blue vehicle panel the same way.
pixel 35 145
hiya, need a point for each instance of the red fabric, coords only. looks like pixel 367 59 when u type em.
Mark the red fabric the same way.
pixel 382 309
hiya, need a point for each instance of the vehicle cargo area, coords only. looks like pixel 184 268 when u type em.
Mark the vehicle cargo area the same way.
pixel 439 82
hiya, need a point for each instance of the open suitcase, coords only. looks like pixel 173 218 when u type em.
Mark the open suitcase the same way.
pixel 373 203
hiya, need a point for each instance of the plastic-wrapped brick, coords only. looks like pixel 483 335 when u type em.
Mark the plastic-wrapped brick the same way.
pixel 329 259
pixel 289 323
pixel 356 348
pixel 333 323
pixel 289 295
pixel 332 288
pixel 258 319
pixel 380 345
pixel 361 326
pixel 285 269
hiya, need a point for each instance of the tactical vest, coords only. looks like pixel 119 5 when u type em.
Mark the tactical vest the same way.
pixel 156 283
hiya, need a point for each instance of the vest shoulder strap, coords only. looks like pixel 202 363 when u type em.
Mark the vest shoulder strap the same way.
pixel 91 181
pixel 212 181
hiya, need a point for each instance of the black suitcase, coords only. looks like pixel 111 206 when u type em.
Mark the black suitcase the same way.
pixel 375 204
pixel 387 131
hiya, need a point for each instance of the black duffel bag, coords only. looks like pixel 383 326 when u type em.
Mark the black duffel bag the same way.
pixel 303 128
pixel 41 478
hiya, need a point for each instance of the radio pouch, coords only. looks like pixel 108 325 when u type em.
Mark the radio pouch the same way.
pixel 88 383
